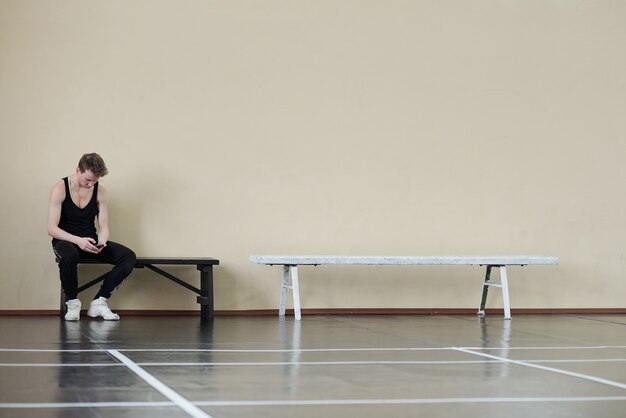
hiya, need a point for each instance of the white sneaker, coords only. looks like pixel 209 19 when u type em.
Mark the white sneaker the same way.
pixel 99 307
pixel 73 310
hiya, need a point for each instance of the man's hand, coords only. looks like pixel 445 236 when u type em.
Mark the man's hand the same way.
pixel 88 245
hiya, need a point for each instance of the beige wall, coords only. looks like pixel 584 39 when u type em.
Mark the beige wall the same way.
pixel 395 127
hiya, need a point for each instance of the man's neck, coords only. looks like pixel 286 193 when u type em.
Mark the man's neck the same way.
pixel 75 184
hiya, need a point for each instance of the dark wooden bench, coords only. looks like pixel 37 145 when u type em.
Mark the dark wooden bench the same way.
pixel 204 265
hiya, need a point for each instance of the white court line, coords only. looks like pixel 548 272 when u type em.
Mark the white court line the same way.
pixel 545 368
pixel 57 405
pixel 304 363
pixel 61 365
pixel 320 402
pixel 183 403
pixel 283 350
pixel 318 363
pixel 255 363
pixel 582 347
pixel 218 350
pixel 357 349
pixel 300 350
pixel 50 350
pixel 408 401
pixel 595 360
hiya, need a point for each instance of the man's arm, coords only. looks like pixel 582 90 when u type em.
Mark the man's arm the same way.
pixel 103 217
pixel 57 195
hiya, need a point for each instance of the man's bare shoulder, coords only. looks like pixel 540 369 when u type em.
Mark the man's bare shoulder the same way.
pixel 102 193
pixel 60 184
pixel 58 191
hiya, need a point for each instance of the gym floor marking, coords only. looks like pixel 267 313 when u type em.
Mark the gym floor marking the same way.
pixel 166 391
pixel 191 408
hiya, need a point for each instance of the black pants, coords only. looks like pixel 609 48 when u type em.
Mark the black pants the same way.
pixel 122 258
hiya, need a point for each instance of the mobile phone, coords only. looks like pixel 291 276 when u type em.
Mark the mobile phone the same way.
pixel 100 245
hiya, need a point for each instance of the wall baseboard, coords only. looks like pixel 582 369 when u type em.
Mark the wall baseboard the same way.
pixel 344 311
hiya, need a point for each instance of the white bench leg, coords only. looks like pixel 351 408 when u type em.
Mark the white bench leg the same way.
pixel 296 292
pixel 483 298
pixel 505 292
pixel 283 291
pixel 504 285
pixel 290 272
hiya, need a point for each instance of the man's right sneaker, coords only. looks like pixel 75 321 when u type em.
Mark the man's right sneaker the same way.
pixel 73 310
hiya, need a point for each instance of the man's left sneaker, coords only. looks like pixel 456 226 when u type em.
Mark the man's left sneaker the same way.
pixel 99 307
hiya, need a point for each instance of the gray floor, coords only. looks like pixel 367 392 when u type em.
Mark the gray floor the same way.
pixel 370 366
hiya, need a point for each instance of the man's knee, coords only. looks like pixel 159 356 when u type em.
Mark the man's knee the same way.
pixel 67 254
pixel 127 261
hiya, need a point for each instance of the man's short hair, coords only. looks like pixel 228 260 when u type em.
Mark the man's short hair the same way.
pixel 94 163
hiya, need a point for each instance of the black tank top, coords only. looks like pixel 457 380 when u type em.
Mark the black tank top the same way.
pixel 77 221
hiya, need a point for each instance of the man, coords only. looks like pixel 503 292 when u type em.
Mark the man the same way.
pixel 75 203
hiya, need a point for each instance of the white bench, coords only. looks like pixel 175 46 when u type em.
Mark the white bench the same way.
pixel 290 271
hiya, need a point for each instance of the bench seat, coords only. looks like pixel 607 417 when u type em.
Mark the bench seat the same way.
pixel 316 260
pixel 290 265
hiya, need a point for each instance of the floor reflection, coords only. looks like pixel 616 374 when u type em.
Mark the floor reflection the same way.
pixel 495 341
pixel 289 331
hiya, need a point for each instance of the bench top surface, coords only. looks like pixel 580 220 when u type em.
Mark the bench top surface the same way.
pixel 519 260
pixel 196 261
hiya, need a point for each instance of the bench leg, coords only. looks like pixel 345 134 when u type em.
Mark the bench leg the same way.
pixel 290 281
pixel 283 291
pixel 206 287
pixel 486 284
pixel 63 306
pixel 295 290
pixel 504 283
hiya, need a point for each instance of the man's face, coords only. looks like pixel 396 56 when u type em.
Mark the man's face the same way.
pixel 86 178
